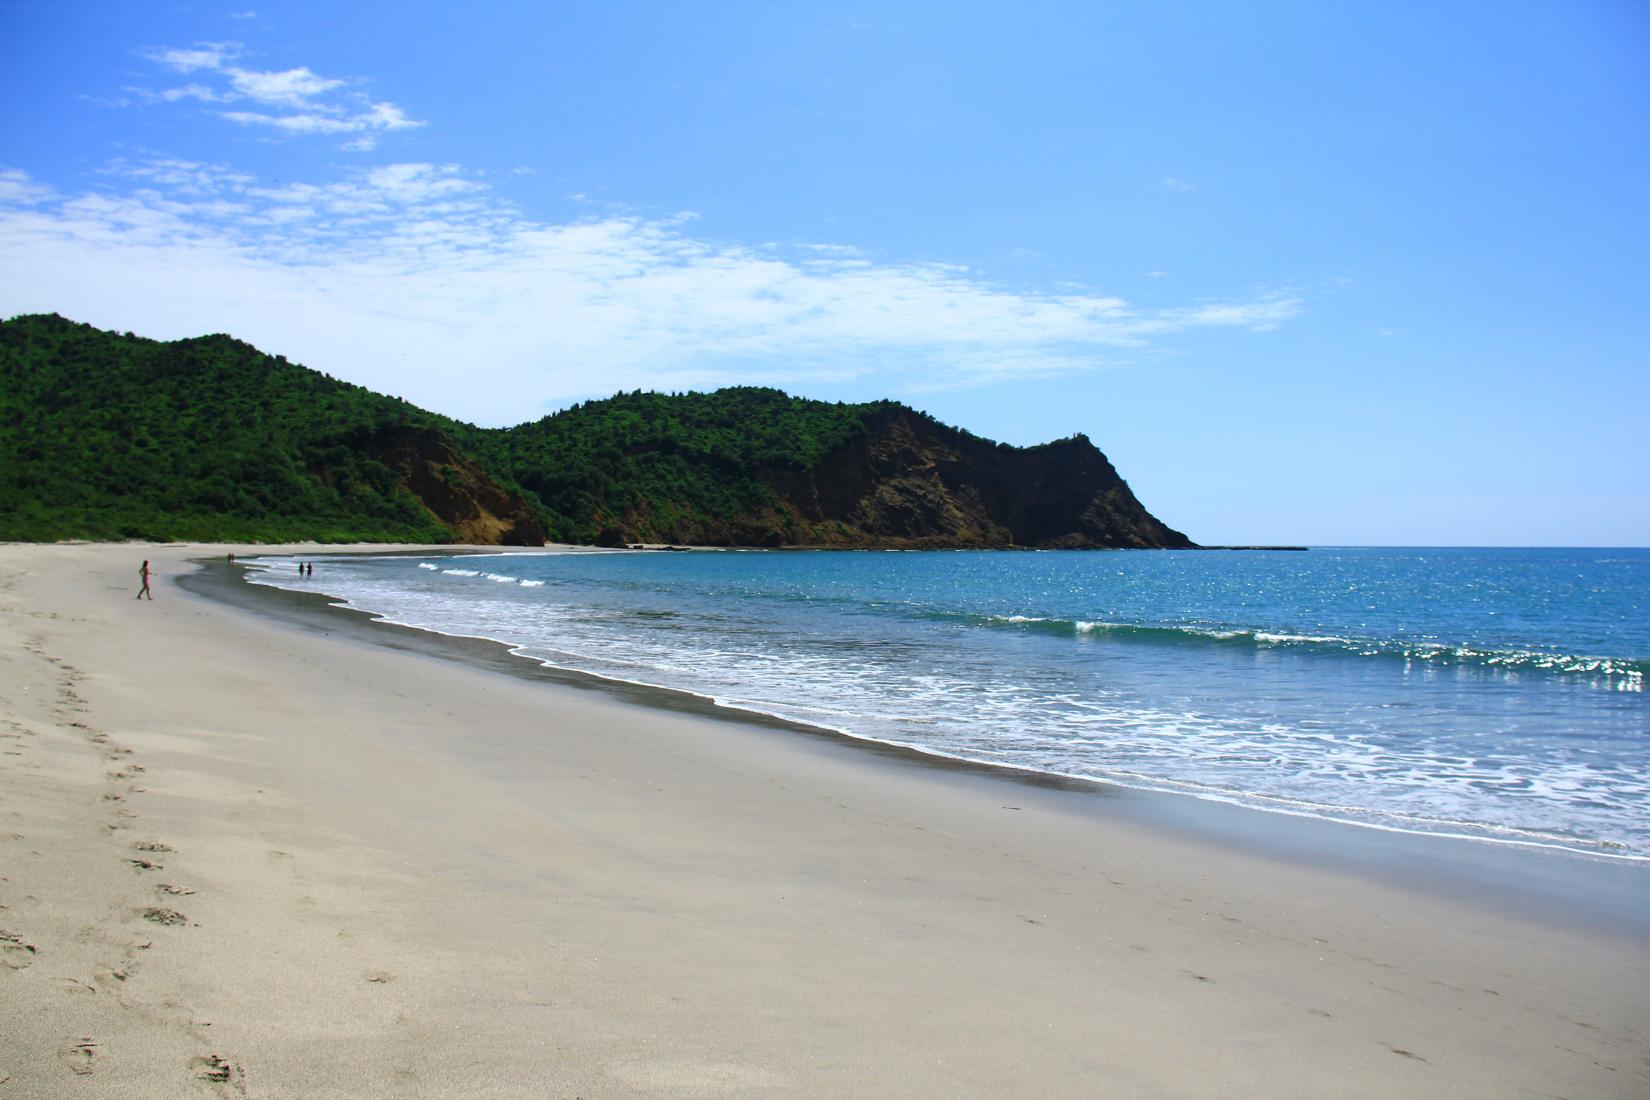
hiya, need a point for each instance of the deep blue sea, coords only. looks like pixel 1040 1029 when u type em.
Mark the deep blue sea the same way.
pixel 1492 694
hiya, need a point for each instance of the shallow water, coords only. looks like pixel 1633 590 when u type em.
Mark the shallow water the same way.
pixel 1496 694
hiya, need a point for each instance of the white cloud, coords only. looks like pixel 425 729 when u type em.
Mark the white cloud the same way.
pixel 328 120
pixel 205 55
pixel 187 177
pixel 838 250
pixel 188 91
pixel 1262 315
pixel 18 190
pixel 418 280
pixel 293 102
pixel 1174 184
pixel 292 88
pixel 317 122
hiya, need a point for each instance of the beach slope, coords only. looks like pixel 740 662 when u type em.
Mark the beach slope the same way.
pixel 245 857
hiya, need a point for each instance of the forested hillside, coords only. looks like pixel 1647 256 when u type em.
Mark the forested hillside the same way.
pixel 104 436
pixel 108 436
pixel 656 467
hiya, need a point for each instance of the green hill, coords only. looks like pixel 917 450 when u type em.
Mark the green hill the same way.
pixel 667 468
pixel 107 436
pixel 104 436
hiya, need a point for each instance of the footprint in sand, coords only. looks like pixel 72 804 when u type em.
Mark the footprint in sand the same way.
pixel 164 916
pixel 108 977
pixel 77 1055
pixel 379 977
pixel 219 1075
pixel 14 952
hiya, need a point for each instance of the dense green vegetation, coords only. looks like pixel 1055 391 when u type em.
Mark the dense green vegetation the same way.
pixel 680 460
pixel 107 436
pixel 104 436
pixel 111 436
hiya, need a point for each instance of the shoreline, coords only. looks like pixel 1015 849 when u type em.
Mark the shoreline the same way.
pixel 1563 886
pixel 243 854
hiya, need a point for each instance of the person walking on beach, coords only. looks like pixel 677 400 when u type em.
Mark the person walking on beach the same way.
pixel 144 573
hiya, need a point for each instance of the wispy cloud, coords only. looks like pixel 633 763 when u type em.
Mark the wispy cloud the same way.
pixel 418 279
pixel 292 88
pixel 1174 184
pixel 188 91
pixel 204 55
pixel 17 190
pixel 289 102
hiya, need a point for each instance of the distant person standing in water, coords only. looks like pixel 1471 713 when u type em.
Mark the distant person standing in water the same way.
pixel 144 573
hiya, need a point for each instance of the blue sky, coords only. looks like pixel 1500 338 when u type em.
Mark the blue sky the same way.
pixel 1322 273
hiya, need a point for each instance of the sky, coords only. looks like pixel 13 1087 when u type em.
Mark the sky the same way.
pixel 1331 274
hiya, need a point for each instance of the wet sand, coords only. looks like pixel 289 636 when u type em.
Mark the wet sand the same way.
pixel 247 856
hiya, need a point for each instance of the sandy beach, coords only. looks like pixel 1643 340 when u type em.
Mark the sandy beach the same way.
pixel 247 856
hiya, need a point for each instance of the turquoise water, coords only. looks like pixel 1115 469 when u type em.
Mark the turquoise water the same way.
pixel 1494 694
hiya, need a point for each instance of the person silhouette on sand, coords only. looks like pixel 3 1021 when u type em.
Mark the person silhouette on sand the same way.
pixel 144 573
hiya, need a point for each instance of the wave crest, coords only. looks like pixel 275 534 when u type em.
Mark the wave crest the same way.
pixel 1621 673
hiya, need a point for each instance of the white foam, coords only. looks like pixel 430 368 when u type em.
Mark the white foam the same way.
pixel 1298 639
pixel 1031 715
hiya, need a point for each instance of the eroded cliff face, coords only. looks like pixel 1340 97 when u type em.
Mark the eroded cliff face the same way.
pixel 914 482
pixel 455 490
pixel 911 482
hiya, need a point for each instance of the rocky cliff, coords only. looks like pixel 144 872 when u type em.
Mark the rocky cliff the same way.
pixel 907 481
pixel 457 492
pixel 913 482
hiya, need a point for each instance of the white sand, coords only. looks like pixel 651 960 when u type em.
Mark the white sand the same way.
pixel 400 875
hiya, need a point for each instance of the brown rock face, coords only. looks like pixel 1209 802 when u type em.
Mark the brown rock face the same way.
pixel 911 481
pixel 455 490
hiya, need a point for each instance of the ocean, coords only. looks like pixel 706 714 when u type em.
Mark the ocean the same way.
pixel 1491 694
